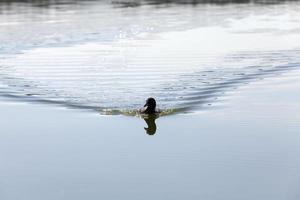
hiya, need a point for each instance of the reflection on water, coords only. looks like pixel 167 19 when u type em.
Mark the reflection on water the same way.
pixel 150 121
pixel 109 56
pixel 135 3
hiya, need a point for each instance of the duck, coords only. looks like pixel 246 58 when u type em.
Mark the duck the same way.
pixel 149 107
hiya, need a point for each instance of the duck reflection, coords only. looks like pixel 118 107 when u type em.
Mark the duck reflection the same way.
pixel 150 113
pixel 150 121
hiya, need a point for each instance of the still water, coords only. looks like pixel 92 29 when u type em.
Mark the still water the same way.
pixel 247 150
pixel 109 56
pixel 229 71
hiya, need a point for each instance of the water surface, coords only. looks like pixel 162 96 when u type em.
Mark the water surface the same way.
pixel 232 65
pixel 248 149
pixel 109 56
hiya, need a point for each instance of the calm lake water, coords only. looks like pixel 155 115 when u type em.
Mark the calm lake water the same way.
pixel 109 56
pixel 248 149
pixel 228 72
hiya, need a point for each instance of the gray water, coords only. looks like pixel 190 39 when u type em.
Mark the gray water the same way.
pixel 109 56
pixel 247 150
pixel 233 66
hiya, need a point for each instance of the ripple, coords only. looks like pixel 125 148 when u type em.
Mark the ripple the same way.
pixel 110 89
pixel 109 59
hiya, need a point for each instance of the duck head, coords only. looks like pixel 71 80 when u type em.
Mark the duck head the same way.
pixel 150 106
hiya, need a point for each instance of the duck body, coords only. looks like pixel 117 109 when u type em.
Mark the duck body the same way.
pixel 150 107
